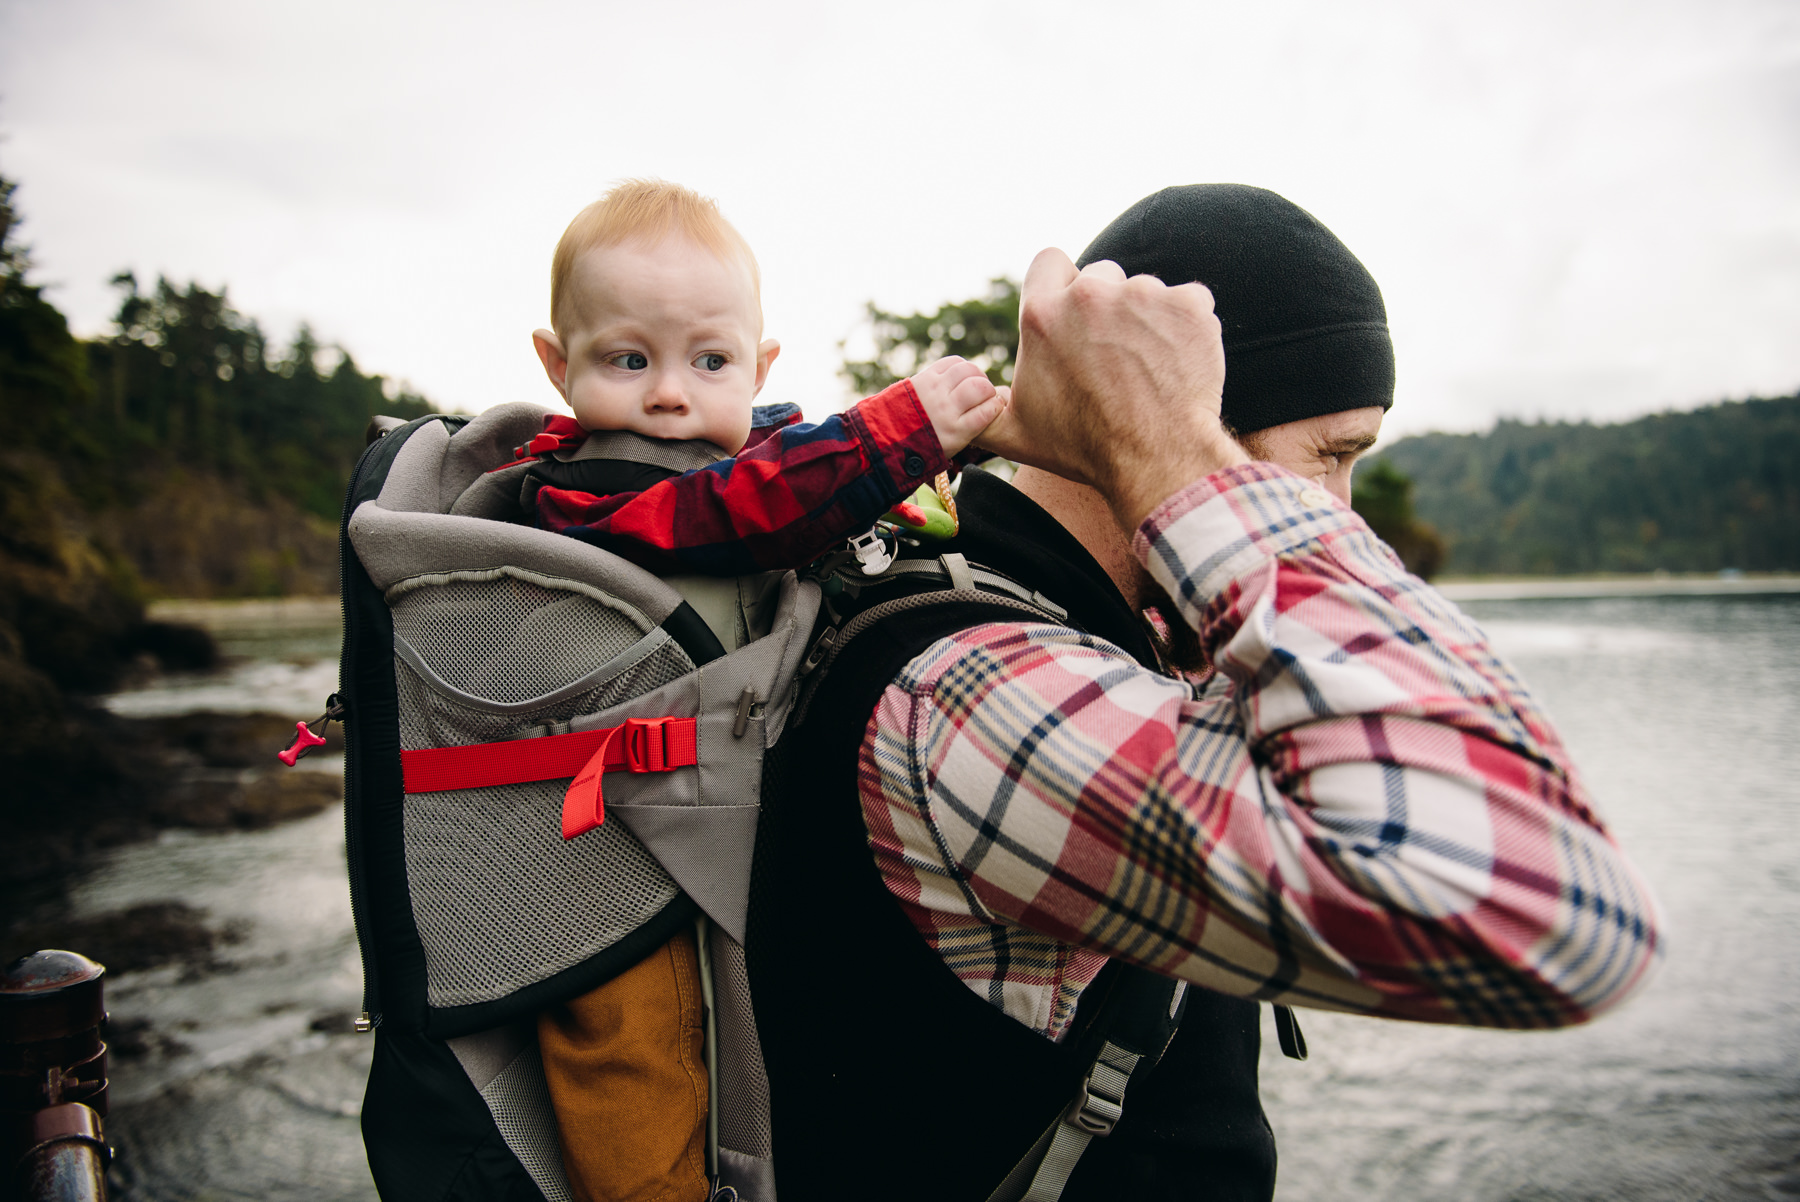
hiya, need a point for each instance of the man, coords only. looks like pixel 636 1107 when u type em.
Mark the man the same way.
pixel 1355 806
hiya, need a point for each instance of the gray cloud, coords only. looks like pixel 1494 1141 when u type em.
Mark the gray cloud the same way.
pixel 1573 210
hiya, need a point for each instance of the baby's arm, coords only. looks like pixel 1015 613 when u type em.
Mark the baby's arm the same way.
pixel 779 504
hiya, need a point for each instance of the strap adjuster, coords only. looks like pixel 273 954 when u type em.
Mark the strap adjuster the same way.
pixel 646 744
pixel 1096 1109
pixel 1095 1112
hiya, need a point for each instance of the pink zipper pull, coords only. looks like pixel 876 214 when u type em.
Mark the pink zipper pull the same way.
pixel 304 738
pixel 304 741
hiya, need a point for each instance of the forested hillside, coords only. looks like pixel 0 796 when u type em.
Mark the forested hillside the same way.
pixel 181 454
pixel 184 446
pixel 1701 491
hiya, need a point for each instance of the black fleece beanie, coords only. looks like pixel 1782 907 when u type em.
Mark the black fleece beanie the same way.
pixel 1305 330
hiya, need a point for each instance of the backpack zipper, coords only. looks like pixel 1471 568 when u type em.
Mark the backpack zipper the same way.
pixel 370 1017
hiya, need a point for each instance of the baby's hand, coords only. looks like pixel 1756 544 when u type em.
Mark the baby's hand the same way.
pixel 960 401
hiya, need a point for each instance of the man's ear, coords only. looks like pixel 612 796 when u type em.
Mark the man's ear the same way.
pixel 556 363
pixel 765 356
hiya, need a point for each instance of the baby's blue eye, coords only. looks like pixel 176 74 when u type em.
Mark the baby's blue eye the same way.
pixel 631 361
pixel 711 362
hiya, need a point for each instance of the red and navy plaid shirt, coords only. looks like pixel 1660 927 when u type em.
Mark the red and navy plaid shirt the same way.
pixel 1362 808
pixel 792 493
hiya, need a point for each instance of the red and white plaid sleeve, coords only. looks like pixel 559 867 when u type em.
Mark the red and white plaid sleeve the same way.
pixel 1363 809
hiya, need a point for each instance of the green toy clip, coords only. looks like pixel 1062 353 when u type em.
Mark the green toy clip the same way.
pixel 929 513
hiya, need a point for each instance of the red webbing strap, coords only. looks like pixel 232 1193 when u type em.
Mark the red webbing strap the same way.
pixel 640 745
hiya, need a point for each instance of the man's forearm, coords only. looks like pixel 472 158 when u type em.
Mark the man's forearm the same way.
pixel 1362 811
pixel 1406 764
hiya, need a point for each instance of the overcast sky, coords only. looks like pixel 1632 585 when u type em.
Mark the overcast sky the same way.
pixel 1574 209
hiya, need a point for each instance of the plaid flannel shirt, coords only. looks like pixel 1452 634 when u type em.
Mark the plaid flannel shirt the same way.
pixel 792 493
pixel 1361 808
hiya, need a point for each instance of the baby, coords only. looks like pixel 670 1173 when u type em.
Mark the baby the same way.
pixel 656 305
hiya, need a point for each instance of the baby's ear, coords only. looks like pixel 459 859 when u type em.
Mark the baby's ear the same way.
pixel 765 356
pixel 550 354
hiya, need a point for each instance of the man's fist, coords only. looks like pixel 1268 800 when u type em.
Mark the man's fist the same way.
pixel 1117 384
pixel 959 399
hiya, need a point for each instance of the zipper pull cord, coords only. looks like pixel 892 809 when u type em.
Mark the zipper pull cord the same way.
pixel 306 738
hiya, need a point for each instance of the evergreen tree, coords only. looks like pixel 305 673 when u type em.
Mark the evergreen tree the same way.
pixel 1699 491
pixel 189 380
pixel 1384 499
pixel 984 331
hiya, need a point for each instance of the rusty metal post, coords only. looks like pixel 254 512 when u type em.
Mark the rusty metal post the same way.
pixel 52 1079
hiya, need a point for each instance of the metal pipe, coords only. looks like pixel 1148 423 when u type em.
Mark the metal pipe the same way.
pixel 65 1157
pixel 53 1079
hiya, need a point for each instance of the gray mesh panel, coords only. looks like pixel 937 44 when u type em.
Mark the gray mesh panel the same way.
pixel 743 1082
pixel 519 1100
pixel 506 638
pixel 430 719
pixel 502 902
pixel 499 899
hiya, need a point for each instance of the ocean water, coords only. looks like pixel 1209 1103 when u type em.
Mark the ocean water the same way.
pixel 1682 713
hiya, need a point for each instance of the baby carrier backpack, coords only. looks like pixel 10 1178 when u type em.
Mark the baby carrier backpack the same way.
pixel 502 686
pixel 485 665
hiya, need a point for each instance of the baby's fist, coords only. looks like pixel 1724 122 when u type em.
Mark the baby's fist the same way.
pixel 959 399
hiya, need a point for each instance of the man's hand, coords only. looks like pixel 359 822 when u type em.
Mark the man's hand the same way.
pixel 960 401
pixel 1117 384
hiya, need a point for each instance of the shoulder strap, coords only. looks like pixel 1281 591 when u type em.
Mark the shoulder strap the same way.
pixel 1123 1042
pixel 853 607
pixel 1137 1019
pixel 1141 1011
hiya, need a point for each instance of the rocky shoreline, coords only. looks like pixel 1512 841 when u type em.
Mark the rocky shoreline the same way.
pixel 122 780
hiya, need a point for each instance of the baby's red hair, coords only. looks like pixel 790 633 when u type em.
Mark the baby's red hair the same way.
pixel 647 209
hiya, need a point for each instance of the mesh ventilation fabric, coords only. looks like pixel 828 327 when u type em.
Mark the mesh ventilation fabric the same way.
pixel 430 719
pixel 519 1100
pixel 499 899
pixel 501 902
pixel 506 638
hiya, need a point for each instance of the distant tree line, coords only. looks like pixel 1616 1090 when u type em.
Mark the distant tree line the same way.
pixel 983 330
pixel 186 379
pixel 183 453
pixel 198 455
pixel 1699 491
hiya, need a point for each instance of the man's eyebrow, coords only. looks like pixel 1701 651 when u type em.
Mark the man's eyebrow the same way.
pixel 1347 446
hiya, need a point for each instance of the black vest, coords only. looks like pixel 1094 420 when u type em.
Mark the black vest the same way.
pixel 889 1077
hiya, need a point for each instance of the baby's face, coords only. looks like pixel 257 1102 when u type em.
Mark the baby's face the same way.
pixel 662 340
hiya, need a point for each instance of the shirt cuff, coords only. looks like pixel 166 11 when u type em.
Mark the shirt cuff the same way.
pixel 897 437
pixel 1226 525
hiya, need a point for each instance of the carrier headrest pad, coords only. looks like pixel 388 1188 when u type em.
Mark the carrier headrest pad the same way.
pixel 395 546
pixel 436 467
pixel 485 444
